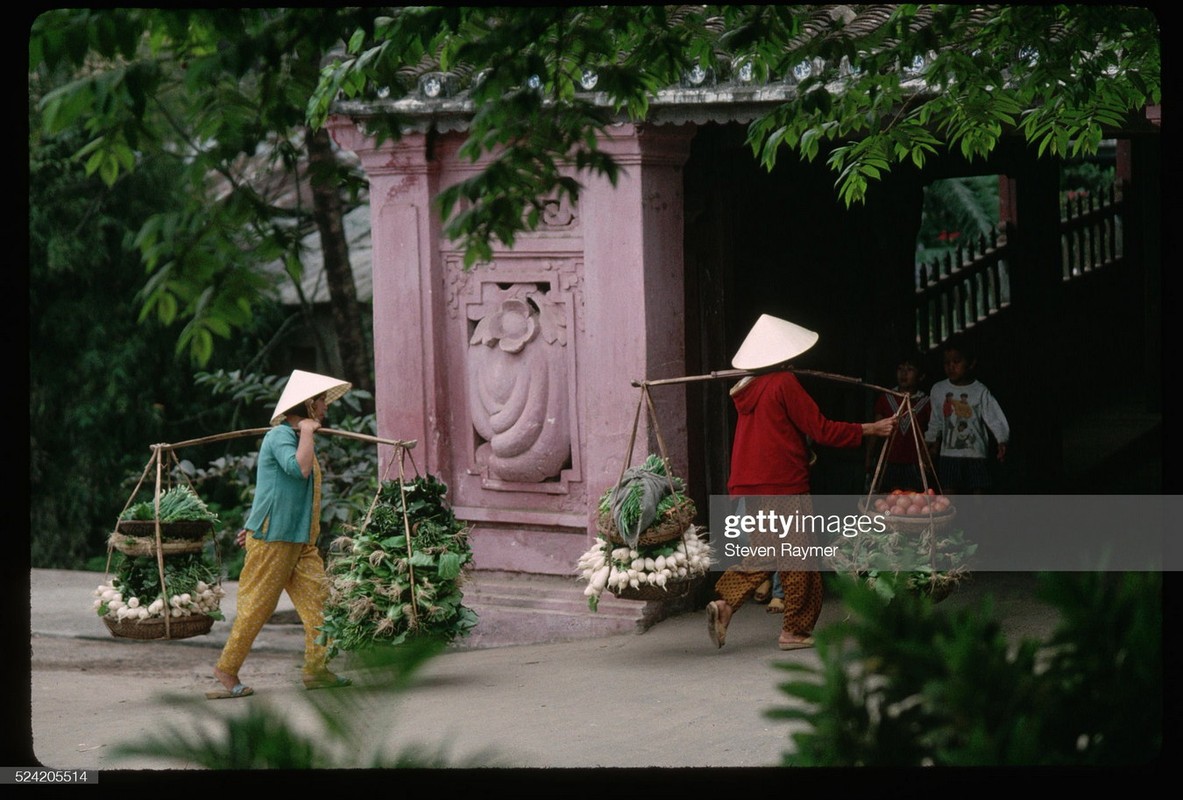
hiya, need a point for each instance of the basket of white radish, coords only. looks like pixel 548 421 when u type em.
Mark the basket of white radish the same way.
pixel 653 572
pixel 133 604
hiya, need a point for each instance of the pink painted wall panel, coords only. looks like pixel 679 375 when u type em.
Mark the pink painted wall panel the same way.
pixel 516 376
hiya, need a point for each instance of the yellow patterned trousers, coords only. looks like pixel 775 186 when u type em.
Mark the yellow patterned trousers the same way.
pixel 272 568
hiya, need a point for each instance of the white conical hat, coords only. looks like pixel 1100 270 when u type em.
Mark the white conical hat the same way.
pixel 772 341
pixel 303 386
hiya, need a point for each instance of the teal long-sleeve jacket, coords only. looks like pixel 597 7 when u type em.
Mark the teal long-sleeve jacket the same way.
pixel 282 509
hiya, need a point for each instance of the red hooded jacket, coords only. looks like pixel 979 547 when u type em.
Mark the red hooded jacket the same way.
pixel 770 455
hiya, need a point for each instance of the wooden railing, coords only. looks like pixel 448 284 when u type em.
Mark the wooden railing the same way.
pixel 1091 233
pixel 961 289
pixel 972 283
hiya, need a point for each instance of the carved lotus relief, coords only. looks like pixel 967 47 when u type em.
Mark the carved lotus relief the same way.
pixel 517 367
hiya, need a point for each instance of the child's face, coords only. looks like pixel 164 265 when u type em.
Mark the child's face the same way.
pixel 957 369
pixel 907 376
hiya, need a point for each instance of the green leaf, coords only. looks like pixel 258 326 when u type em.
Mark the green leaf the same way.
pixel 449 566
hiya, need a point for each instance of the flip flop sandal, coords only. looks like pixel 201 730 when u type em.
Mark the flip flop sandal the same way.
pixel 799 645
pixel 229 694
pixel 327 682
pixel 715 628
pixel 775 606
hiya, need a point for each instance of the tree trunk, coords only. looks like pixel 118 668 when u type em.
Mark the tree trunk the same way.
pixel 328 213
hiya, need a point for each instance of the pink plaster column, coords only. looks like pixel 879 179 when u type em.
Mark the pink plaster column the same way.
pixel 634 301
pixel 404 232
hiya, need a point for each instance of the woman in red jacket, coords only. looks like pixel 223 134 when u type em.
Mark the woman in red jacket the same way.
pixel 770 458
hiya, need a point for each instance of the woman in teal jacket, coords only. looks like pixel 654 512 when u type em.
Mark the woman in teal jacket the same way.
pixel 280 535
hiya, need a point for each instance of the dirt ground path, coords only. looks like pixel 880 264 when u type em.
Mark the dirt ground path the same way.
pixel 665 698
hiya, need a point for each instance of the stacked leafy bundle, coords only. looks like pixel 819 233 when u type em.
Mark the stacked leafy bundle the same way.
pixel 134 592
pixel 381 594
pixel 933 562
pixel 177 504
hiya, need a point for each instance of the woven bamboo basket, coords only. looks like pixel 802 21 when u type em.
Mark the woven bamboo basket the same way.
pixel 181 529
pixel 153 628
pixel 671 590
pixel 672 525
pixel 914 523
pixel 146 546
pixel 920 523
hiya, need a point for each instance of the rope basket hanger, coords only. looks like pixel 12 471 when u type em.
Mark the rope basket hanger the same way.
pixel 670 525
pixel 673 522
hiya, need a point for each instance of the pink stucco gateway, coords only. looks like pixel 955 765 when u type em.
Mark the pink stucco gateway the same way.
pixel 516 376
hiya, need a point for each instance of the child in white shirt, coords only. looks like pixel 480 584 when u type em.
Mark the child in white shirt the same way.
pixel 964 412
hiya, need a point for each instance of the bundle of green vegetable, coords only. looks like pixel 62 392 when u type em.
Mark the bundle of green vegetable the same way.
pixel 135 592
pixel 177 504
pixel 381 594
pixel 643 496
pixel 608 566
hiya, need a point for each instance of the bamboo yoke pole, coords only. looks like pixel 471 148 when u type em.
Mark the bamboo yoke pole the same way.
pixel 725 374
pixel 406 444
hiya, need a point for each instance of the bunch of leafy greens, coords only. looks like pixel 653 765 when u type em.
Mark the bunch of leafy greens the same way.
pixel 382 591
pixel 177 504
pixel 933 561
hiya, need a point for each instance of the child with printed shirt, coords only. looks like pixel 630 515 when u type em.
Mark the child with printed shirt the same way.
pixel 959 429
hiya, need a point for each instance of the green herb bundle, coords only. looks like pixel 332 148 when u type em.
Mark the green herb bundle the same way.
pixel 177 504
pixel 382 595
pixel 635 495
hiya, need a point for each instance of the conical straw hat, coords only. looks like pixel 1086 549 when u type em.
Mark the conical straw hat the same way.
pixel 303 386
pixel 772 341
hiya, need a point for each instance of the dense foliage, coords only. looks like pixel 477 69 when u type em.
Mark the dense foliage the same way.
pixel 873 86
pixel 103 385
pixel 902 683
pixel 217 96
